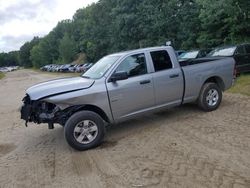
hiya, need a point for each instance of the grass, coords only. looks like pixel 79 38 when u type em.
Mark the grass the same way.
pixel 242 85
pixel 2 75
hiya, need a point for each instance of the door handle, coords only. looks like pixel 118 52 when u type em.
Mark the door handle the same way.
pixel 145 82
pixel 174 76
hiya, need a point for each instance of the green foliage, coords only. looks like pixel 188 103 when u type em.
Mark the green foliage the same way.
pixel 223 22
pixel 242 85
pixel 47 50
pixel 1 75
pixel 9 59
pixel 67 48
pixel 36 56
pixel 114 25
pixel 25 52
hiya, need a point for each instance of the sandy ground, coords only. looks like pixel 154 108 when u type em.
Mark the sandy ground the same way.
pixel 181 147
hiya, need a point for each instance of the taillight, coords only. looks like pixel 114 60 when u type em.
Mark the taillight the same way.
pixel 235 73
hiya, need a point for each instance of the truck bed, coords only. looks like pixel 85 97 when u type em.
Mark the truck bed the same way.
pixel 197 71
pixel 199 60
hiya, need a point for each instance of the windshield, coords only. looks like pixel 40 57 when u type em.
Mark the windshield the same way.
pixel 100 67
pixel 189 55
pixel 229 51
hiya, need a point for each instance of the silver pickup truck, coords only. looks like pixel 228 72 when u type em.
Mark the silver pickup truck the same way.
pixel 124 85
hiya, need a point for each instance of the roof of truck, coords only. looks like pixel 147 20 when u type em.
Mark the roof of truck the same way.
pixel 137 50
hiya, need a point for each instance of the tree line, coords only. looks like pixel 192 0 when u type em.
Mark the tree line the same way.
pixel 114 25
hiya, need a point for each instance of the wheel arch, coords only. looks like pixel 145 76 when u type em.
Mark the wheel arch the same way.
pixel 216 79
pixel 88 107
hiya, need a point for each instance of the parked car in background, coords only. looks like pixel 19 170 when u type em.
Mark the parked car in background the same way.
pixel 58 68
pixel 72 68
pixel 240 53
pixel 3 69
pixel 84 67
pixel 194 54
pixel 64 68
pixel 15 67
pixel 9 68
pixel 88 66
pixel 49 68
pixel 46 67
pixel 79 67
pixel 179 52
pixel 53 68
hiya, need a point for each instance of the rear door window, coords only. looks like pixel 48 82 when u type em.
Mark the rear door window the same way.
pixel 161 60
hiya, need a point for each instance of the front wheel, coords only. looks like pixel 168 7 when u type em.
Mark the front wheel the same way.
pixel 210 97
pixel 84 130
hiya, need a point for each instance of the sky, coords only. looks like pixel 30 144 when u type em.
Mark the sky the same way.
pixel 21 20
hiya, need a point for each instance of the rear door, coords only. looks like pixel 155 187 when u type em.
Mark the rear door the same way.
pixel 135 94
pixel 167 79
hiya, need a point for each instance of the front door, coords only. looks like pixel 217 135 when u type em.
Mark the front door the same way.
pixel 135 94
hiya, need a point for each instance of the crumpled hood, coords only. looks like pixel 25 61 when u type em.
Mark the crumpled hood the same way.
pixel 58 86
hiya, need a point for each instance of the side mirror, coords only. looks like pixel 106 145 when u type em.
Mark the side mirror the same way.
pixel 122 75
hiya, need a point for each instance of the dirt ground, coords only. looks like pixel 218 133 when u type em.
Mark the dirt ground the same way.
pixel 181 147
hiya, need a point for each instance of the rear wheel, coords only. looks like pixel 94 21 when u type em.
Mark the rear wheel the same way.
pixel 84 130
pixel 210 97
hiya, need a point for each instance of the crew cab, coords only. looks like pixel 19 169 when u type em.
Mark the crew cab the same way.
pixel 122 86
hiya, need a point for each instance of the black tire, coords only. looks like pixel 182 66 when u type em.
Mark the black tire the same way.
pixel 75 120
pixel 202 100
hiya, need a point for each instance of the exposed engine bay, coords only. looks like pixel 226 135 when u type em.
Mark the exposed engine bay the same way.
pixel 42 112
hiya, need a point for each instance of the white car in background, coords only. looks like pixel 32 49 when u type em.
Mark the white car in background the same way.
pixel 4 69
pixel 10 68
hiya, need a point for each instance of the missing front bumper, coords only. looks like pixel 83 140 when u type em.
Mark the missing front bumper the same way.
pixel 25 113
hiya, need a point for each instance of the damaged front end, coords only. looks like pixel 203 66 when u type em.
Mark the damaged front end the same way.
pixel 38 108
pixel 41 112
